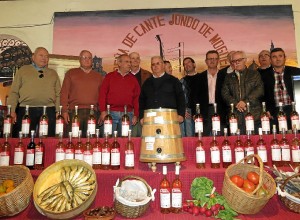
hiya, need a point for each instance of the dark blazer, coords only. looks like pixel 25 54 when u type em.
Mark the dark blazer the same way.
pixel 268 79
pixel 201 95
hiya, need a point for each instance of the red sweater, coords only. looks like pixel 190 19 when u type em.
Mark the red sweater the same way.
pixel 117 91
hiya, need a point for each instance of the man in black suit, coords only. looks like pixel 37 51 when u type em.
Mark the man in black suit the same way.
pixel 208 91
pixel 278 85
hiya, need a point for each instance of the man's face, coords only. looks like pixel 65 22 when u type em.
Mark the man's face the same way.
pixel 264 59
pixel 168 68
pixel 238 61
pixel 189 66
pixel 86 60
pixel 124 64
pixel 135 59
pixel 41 58
pixel 157 66
pixel 212 60
pixel 278 59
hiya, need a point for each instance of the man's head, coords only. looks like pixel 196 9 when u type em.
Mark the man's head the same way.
pixel 135 59
pixel 264 59
pixel 229 58
pixel 239 60
pixel 189 65
pixel 168 67
pixel 157 65
pixel 124 64
pixel 86 59
pixel 212 59
pixel 41 57
pixel 278 58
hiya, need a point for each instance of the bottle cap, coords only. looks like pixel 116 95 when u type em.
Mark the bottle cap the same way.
pixel 165 170
pixel 177 168
pixel 260 131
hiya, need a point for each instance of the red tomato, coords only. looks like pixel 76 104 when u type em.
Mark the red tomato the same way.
pixel 248 186
pixel 253 177
pixel 237 180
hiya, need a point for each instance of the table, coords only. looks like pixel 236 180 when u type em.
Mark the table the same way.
pixel 107 178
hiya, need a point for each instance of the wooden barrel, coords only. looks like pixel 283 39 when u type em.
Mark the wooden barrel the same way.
pixel 161 137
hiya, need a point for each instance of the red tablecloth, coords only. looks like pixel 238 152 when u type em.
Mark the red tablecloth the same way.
pixel 106 179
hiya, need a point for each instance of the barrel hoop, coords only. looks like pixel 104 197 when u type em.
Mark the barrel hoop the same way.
pixel 163 136
pixel 161 110
pixel 162 156
pixel 164 123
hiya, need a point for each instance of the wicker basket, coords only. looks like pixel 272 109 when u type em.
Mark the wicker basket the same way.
pixel 132 211
pixel 17 200
pixel 241 201
pixel 290 200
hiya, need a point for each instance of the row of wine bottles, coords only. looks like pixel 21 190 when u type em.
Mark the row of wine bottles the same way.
pixel 249 120
pixel 283 152
pixel 60 123
pixel 104 155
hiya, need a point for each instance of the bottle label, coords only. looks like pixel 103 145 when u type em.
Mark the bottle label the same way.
pixel 43 128
pixel 263 154
pixel 227 157
pixel 295 122
pixel 7 126
pixel 296 156
pixel 79 154
pixel 30 157
pixel 249 123
pixel 91 127
pixel 69 154
pixel 105 157
pixel 233 125
pixel 286 154
pixel 200 155
pixel 38 159
pixel 75 129
pixel 265 124
pixel 216 123
pixel 198 125
pixel 96 156
pixel 19 155
pixel 108 126
pixel 276 153
pixel 88 157
pixel 239 154
pixel 59 127
pixel 176 198
pixel 215 155
pixel 4 158
pixel 60 154
pixel 25 126
pixel 125 129
pixel 165 198
pixel 282 123
pixel 115 157
pixel 129 158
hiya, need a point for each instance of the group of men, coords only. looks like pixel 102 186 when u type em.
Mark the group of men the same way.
pixel 37 85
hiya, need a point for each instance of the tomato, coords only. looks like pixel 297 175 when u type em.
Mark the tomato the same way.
pixel 253 177
pixel 237 180
pixel 248 186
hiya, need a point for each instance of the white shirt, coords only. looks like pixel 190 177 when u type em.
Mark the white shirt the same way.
pixel 212 81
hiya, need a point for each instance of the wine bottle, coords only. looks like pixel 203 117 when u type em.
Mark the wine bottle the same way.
pixel 200 152
pixel 30 152
pixel 60 121
pixel 75 123
pixel 261 147
pixel 285 150
pixel 108 122
pixel 5 152
pixel 88 151
pixel 60 151
pixel 97 152
pixel 216 123
pixel 275 149
pixel 249 120
pixel 226 150
pixel 164 192
pixel 79 147
pixel 125 122
pixel 39 156
pixel 265 120
pixel 129 153
pixel 215 152
pixel 43 128
pixel 7 123
pixel 198 119
pixel 176 196
pixel 19 151
pixel 295 117
pixel 295 149
pixel 26 122
pixel 115 153
pixel 239 151
pixel 91 122
pixel 105 153
pixel 70 148
pixel 282 122
pixel 249 146
pixel 233 121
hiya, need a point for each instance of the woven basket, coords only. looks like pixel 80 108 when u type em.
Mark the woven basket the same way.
pixel 290 200
pixel 241 201
pixel 18 199
pixel 132 211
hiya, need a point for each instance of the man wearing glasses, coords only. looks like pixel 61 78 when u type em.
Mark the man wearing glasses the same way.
pixel 35 85
pixel 242 86
pixel 278 85
pixel 80 87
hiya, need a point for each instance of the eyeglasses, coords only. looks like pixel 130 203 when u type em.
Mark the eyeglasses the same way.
pixel 86 58
pixel 41 74
pixel 237 60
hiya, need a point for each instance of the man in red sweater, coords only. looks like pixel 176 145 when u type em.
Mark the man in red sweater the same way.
pixel 120 88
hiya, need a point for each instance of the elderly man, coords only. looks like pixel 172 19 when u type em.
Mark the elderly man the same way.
pixel 264 60
pixel 35 85
pixel 161 91
pixel 80 87
pixel 242 86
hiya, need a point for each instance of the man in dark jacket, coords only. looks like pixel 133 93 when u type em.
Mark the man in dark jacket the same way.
pixel 242 86
pixel 278 85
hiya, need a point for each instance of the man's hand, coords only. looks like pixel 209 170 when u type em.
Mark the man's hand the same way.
pixel 142 121
pixel 66 117
pixel 14 117
pixel 180 119
pixel 102 116
pixel 241 106
pixel 134 120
